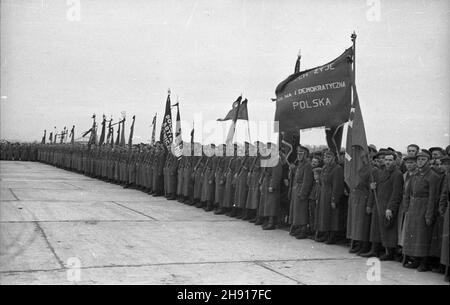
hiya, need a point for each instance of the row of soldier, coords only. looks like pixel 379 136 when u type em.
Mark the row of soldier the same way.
pixel 397 211
pixel 18 151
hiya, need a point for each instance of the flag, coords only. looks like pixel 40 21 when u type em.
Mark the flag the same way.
pixel 235 113
pixel 50 138
pixel 166 135
pixel 154 129
pixel 192 133
pixel 118 135
pixel 334 138
pixel 316 97
pixel 130 137
pixel 297 63
pixel 102 136
pixel 122 134
pixel 72 134
pixel 109 136
pixel 112 137
pixel 43 138
pixel 178 138
pixel 356 145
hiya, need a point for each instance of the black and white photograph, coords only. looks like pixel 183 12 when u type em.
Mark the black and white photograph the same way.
pixel 246 144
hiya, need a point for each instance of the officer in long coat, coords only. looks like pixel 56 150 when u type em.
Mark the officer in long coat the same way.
pixel 358 221
pixel 241 175
pixel 228 199
pixel 253 184
pixel 421 201
pixel 172 173
pixel 384 207
pixel 271 188
pixel 219 179
pixel 301 188
pixel 180 177
pixel 444 211
pixel 328 220
pixel 207 197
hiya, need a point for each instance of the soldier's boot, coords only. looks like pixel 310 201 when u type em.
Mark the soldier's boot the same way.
pixel 292 230
pixel 303 233
pixel 220 211
pixel 270 224
pixel 209 206
pixel 253 220
pixel 388 255
pixel 365 247
pixel 242 214
pixel 446 274
pixel 321 236
pixel 171 197
pixel 424 265
pixel 259 221
pixel 199 204
pixel 411 262
pixel 373 251
pixel 331 239
pixel 398 254
pixel 237 213
pixel 247 214
pixel 356 246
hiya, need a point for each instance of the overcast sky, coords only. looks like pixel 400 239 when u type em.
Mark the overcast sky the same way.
pixel 124 55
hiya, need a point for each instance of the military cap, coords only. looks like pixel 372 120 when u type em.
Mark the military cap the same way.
pixel 382 152
pixel 431 149
pixel 303 148
pixel 424 153
pixel 445 160
pixel 317 170
pixel 410 158
pixel 391 149
pixel 329 152
pixel 414 145
pixel 372 148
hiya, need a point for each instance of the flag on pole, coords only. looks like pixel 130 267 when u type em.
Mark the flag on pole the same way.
pixel 178 138
pixel 108 136
pixel 153 129
pixel 102 135
pixel 118 135
pixel 122 134
pixel 50 137
pixel 297 62
pixel 192 133
pixel 43 138
pixel 130 137
pixel 166 135
pixel 356 145
pixel 72 134
pixel 234 114
pixel 318 97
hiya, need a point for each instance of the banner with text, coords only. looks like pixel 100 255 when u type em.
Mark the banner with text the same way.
pixel 316 97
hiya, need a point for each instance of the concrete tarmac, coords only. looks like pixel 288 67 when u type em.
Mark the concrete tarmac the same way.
pixel 60 227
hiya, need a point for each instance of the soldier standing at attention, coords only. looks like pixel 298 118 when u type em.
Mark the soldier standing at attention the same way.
pixel 219 179
pixel 331 191
pixel 384 207
pixel 421 200
pixel 301 188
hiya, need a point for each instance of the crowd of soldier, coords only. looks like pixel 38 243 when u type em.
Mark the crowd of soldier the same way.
pixel 398 210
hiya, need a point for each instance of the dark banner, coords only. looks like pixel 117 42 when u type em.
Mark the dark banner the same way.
pixel 317 97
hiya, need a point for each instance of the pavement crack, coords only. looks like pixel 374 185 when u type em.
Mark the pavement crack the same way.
pixel 15 196
pixel 261 264
pixel 49 245
pixel 128 208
